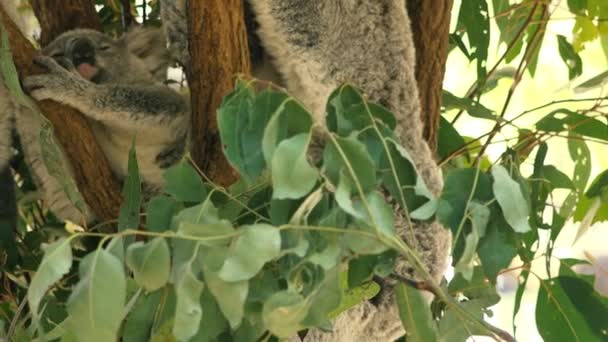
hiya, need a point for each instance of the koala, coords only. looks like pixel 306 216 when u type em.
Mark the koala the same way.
pixel 310 48
pixel 117 85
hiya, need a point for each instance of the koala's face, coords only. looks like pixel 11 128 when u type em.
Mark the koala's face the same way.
pixel 98 57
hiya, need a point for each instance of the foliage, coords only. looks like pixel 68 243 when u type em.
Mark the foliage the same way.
pixel 306 231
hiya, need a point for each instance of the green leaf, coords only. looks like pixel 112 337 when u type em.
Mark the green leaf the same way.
pixel 567 309
pixel 474 108
pixel 415 315
pixel 478 287
pixel 456 193
pixel 581 156
pixel 283 312
pixel 213 322
pixel 577 6
pixel 257 245
pixel 292 175
pixel 599 186
pixel 128 218
pixel 572 59
pixel 401 177
pixel 290 119
pixel 188 310
pixel 474 19
pixel 350 156
pixel 202 221
pixel 584 31
pixel 150 263
pixel 449 140
pixel 324 300
pixel 242 118
pixel 55 264
pixel 555 178
pixel 230 296
pixel 184 184
pixel 479 215
pixel 347 111
pixel 361 270
pixel 139 321
pixel 511 200
pixel 496 249
pixel 97 301
pixel 373 215
pixel 454 326
pixel 565 120
pixel 159 212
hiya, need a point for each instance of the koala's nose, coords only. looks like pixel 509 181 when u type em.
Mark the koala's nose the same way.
pixel 83 51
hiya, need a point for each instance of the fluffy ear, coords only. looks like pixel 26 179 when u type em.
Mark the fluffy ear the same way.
pixel 149 44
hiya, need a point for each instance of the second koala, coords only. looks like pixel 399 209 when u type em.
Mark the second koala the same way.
pixel 117 85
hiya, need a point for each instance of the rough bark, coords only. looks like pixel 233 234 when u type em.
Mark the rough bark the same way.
pixel 218 51
pixel 56 17
pixel 430 26
pixel 93 175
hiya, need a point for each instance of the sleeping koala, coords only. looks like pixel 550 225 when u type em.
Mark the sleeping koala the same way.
pixel 117 85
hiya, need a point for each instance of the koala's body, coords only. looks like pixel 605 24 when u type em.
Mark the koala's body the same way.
pixel 117 85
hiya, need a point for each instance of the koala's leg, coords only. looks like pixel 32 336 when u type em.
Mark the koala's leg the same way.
pixel 27 124
pixel 118 105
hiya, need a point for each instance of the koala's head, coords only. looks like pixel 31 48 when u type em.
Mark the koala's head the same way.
pixel 138 56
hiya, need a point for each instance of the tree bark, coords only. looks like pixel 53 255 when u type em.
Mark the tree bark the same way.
pixel 430 27
pixel 92 173
pixel 56 17
pixel 218 52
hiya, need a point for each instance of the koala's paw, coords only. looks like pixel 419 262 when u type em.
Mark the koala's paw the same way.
pixel 57 84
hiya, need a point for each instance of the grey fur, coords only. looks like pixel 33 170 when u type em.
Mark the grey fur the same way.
pixel 314 46
pixel 122 100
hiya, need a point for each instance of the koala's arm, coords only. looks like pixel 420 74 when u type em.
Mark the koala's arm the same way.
pixel 121 105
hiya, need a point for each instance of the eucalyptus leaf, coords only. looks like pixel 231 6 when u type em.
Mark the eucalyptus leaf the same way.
pixel 128 217
pixel 96 304
pixel 415 315
pixel 292 175
pixel 188 311
pixel 55 264
pixel 257 245
pixel 184 184
pixel 511 200
pixel 283 313
pixel 150 263
pixel 230 296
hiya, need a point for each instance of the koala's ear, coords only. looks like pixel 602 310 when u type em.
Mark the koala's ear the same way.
pixel 150 45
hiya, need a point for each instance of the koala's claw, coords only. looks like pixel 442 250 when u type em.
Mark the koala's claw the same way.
pixel 48 63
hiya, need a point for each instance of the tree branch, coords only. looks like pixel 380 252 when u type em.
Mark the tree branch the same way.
pixel 219 52
pixel 56 17
pixel 92 173
pixel 430 26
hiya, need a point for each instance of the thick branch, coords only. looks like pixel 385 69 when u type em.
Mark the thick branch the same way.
pixel 56 17
pixel 218 51
pixel 93 175
pixel 430 26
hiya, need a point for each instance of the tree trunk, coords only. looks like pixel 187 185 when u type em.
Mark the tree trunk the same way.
pixel 430 27
pixel 56 17
pixel 218 52
pixel 93 176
